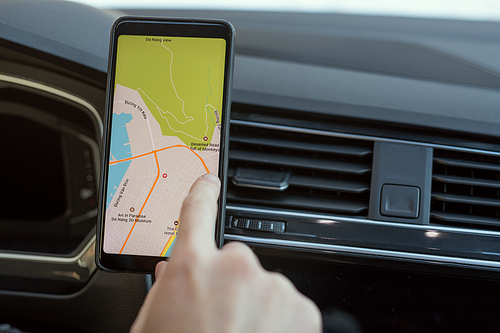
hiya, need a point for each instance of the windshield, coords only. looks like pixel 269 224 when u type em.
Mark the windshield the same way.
pixel 484 10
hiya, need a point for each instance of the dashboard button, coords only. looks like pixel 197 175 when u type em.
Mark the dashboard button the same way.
pixel 400 201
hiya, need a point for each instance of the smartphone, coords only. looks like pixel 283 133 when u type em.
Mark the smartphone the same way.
pixel 166 124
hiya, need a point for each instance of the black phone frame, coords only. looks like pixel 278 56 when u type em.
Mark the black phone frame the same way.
pixel 166 27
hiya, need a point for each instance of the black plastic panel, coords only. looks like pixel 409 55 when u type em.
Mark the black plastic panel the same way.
pixel 361 299
pixel 386 57
pixel 109 303
pixel 83 40
pixel 401 165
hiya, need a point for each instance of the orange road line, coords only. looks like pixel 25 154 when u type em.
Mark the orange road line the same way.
pixel 201 159
pixel 154 184
pixel 147 198
pixel 206 168
pixel 161 149
pixel 131 158
pixel 182 146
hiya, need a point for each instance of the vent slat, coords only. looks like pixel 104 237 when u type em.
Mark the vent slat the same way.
pixel 299 162
pixel 470 219
pixel 465 190
pixel 466 199
pixel 326 173
pixel 467 164
pixel 466 181
pixel 309 146
pixel 291 201
pixel 329 184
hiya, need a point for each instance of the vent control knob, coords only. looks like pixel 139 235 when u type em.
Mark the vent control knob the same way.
pixel 265 179
pixel 257 224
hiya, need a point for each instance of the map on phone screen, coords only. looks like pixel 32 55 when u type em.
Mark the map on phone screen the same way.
pixel 165 133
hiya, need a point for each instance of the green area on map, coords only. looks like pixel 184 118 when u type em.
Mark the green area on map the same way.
pixel 178 78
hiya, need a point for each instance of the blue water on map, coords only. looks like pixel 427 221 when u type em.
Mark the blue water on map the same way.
pixel 119 149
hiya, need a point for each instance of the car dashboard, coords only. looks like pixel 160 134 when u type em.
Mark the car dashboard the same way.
pixel 364 164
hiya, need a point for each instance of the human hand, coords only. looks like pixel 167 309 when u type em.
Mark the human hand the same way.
pixel 205 290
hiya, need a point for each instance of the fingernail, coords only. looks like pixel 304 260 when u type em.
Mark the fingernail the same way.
pixel 212 177
pixel 160 267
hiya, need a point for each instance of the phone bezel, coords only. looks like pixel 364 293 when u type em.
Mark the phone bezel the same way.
pixel 166 27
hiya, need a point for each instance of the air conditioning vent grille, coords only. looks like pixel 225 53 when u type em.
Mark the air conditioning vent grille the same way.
pixel 327 174
pixel 466 190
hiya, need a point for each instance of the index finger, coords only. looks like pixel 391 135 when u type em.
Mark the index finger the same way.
pixel 198 213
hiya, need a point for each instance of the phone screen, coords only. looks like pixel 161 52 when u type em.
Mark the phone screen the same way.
pixel 164 131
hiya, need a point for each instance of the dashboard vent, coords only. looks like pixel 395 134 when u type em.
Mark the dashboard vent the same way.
pixel 287 169
pixel 465 190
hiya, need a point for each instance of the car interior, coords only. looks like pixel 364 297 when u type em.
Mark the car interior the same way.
pixel 371 144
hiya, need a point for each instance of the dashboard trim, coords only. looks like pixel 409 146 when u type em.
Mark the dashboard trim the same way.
pixel 357 220
pixel 360 250
pixel 80 266
pixel 365 251
pixel 54 91
pixel 47 258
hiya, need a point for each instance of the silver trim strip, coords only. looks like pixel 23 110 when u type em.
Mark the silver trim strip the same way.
pixel 54 91
pixel 365 251
pixel 356 220
pixel 80 218
pixel 358 137
pixel 48 259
